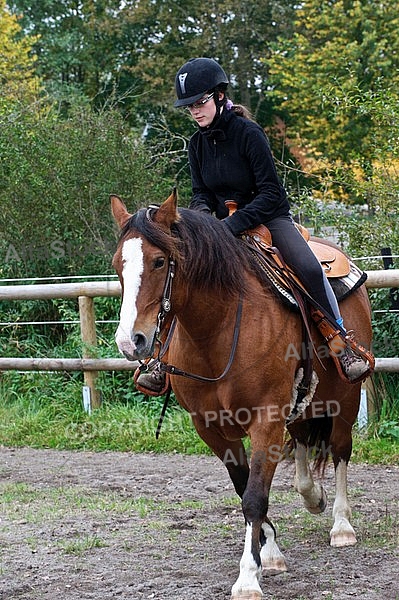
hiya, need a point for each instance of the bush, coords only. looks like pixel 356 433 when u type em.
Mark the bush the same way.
pixel 56 175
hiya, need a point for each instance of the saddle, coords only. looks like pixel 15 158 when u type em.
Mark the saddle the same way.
pixel 337 267
pixel 333 260
pixel 344 276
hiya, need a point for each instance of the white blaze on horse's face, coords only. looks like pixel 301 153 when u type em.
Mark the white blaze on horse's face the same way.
pixel 133 266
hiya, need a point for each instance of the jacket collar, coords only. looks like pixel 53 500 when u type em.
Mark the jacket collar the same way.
pixel 217 130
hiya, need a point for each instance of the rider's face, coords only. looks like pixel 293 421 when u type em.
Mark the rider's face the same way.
pixel 204 110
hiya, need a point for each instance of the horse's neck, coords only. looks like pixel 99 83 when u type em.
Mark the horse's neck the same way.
pixel 204 314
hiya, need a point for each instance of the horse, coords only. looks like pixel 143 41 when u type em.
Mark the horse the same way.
pixel 235 353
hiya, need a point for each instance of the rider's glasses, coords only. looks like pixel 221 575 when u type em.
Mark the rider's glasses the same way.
pixel 199 103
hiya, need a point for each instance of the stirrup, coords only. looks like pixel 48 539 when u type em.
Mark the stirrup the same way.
pixel 353 366
pixel 352 352
pixel 341 344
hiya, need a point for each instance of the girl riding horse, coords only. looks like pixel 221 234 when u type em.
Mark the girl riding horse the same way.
pixel 230 160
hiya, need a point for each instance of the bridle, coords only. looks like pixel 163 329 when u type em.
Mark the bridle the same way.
pixel 166 301
pixel 164 310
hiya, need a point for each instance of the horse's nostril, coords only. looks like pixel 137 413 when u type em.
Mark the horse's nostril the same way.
pixel 140 341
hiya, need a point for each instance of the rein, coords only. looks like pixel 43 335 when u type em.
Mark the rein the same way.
pixel 172 370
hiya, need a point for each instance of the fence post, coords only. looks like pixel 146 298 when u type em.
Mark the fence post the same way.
pixel 386 254
pixel 89 339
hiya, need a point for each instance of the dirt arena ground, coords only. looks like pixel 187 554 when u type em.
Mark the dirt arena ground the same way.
pixel 99 526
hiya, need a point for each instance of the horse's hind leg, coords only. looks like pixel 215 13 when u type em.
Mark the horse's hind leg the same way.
pixel 272 560
pixel 342 532
pixel 313 494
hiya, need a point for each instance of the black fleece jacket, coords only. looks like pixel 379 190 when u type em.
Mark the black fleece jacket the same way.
pixel 232 160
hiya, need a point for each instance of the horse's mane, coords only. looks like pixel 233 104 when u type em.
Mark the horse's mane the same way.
pixel 207 254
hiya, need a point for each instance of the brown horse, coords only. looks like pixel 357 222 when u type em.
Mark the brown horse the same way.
pixel 241 348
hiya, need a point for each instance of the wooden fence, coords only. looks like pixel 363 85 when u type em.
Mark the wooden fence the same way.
pixel 86 292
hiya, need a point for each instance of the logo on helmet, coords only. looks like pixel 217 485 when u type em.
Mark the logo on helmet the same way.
pixel 182 82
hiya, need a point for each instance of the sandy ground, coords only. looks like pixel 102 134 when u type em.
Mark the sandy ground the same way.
pixel 83 525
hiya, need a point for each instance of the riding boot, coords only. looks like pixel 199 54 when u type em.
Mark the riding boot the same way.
pixel 153 380
pixel 353 366
pixel 354 363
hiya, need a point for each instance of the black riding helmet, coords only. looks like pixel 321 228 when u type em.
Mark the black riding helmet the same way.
pixel 196 77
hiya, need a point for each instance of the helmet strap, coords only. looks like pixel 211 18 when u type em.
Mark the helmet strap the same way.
pixel 219 103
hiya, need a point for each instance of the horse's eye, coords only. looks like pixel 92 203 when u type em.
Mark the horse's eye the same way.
pixel 159 262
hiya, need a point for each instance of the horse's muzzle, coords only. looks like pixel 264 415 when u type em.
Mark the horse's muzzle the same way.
pixel 144 345
pixel 135 345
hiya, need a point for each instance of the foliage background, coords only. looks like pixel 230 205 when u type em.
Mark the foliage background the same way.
pixel 86 110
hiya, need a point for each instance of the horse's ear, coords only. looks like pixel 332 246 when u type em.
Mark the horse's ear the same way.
pixel 119 210
pixel 167 214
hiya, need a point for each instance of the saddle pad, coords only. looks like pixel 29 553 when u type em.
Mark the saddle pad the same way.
pixel 344 276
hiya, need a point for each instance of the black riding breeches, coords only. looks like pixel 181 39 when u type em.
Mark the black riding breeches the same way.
pixel 298 255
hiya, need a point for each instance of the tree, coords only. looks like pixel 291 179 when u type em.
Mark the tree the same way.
pixel 74 41
pixel 339 48
pixel 56 175
pixel 18 80
pixel 132 49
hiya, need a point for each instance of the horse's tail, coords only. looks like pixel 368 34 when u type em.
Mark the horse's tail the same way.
pixel 315 434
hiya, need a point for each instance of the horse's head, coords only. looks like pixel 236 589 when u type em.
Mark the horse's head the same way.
pixel 143 268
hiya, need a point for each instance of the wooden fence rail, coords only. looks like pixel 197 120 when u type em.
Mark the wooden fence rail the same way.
pixel 86 292
pixel 67 364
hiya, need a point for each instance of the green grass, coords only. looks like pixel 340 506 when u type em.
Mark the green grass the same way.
pixel 45 410
pixel 30 504
pixel 375 450
pixel 80 545
pixel 36 505
pixel 18 499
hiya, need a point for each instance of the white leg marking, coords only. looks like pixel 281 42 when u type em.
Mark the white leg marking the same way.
pixel 342 533
pixel 133 264
pixel 273 561
pixel 313 494
pixel 247 584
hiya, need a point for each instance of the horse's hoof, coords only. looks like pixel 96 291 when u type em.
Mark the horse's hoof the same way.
pixel 247 596
pixel 276 566
pixel 320 507
pixel 340 540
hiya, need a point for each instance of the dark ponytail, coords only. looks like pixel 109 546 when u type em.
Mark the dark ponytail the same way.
pixel 239 109
pixel 242 111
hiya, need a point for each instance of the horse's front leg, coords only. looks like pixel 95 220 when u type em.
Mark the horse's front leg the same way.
pixel 260 548
pixel 342 532
pixel 233 456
